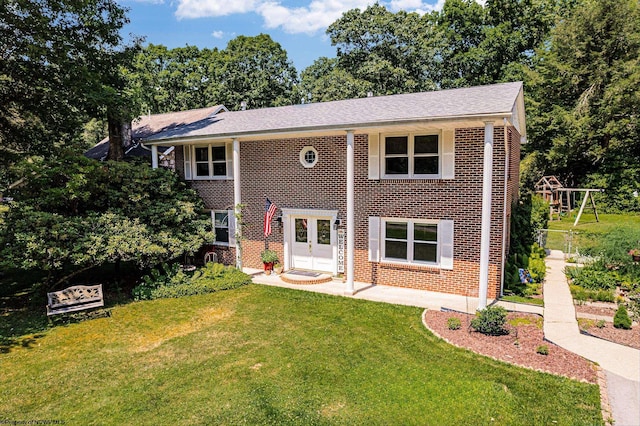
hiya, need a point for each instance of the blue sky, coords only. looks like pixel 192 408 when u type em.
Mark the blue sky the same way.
pixel 299 26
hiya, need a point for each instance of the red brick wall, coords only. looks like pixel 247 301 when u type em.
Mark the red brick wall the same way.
pixel 272 168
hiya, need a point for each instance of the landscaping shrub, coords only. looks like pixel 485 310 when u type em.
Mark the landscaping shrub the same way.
pixel 582 295
pixel 491 320
pixel 542 350
pixel 454 323
pixel 601 323
pixel 592 278
pixel 621 318
pixel 171 281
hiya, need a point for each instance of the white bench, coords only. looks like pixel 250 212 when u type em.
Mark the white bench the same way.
pixel 75 298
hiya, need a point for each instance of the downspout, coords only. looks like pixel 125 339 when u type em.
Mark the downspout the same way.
pixel 507 164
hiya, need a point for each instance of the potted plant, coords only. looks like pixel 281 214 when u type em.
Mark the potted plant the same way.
pixel 269 257
pixel 277 268
pixel 635 254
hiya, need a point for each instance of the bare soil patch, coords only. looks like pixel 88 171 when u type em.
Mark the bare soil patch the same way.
pixel 518 347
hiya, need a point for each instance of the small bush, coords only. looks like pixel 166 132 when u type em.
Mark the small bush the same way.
pixel 601 324
pixel 542 350
pixel 454 323
pixel 491 320
pixel 621 318
pixel 175 283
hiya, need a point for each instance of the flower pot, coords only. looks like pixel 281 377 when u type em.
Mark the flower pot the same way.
pixel 268 266
pixel 278 270
pixel 267 271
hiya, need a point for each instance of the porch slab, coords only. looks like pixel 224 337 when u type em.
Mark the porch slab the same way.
pixel 389 294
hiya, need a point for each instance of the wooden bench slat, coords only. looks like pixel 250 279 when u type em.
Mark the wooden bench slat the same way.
pixel 75 298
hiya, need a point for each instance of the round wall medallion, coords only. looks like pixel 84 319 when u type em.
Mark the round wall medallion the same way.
pixel 308 156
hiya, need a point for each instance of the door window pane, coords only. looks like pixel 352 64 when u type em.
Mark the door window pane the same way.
pixel 323 231
pixel 301 230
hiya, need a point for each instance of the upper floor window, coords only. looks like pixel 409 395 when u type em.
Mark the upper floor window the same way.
pixel 412 155
pixel 212 161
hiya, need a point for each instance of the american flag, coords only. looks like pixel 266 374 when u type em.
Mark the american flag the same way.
pixel 269 211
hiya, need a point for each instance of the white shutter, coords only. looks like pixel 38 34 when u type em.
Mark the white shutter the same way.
pixel 229 158
pixel 445 235
pixel 186 150
pixel 232 227
pixel 374 156
pixel 448 154
pixel 374 239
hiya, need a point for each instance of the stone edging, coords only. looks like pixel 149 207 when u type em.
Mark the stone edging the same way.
pixel 600 376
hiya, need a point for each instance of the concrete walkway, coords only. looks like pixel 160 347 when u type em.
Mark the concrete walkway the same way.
pixel 620 363
pixel 389 294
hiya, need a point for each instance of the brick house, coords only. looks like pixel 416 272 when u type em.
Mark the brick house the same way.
pixel 412 190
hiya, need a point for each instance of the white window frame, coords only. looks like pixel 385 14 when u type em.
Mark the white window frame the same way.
pixel 194 164
pixel 303 157
pixel 411 155
pixel 228 227
pixel 410 241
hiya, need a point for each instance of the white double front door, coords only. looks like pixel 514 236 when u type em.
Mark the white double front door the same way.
pixel 312 241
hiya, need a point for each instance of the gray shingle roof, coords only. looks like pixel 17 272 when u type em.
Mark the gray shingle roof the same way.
pixel 148 125
pixel 469 102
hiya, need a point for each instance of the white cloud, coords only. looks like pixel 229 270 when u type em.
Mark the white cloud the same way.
pixel 211 8
pixel 316 16
pixel 217 34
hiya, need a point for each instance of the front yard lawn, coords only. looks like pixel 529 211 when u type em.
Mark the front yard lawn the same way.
pixel 264 355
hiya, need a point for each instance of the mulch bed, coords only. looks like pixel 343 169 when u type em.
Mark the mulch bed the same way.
pixel 609 332
pixel 518 347
pixel 607 311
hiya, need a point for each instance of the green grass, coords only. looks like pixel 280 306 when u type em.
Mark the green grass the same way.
pixel 263 355
pixel 523 299
pixel 588 229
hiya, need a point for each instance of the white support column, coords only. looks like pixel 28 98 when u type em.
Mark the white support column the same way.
pixel 485 239
pixel 351 226
pixel 154 156
pixel 237 201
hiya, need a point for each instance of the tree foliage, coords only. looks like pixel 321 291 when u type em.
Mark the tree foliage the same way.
pixel 583 117
pixel 74 214
pixel 54 56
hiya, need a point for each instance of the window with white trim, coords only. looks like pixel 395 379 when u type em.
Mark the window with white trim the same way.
pixel 411 155
pixel 221 226
pixel 410 240
pixel 209 161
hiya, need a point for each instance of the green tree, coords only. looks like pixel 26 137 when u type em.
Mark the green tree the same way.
pixel 75 214
pixel 256 70
pixel 53 55
pixel 389 52
pixel 586 98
